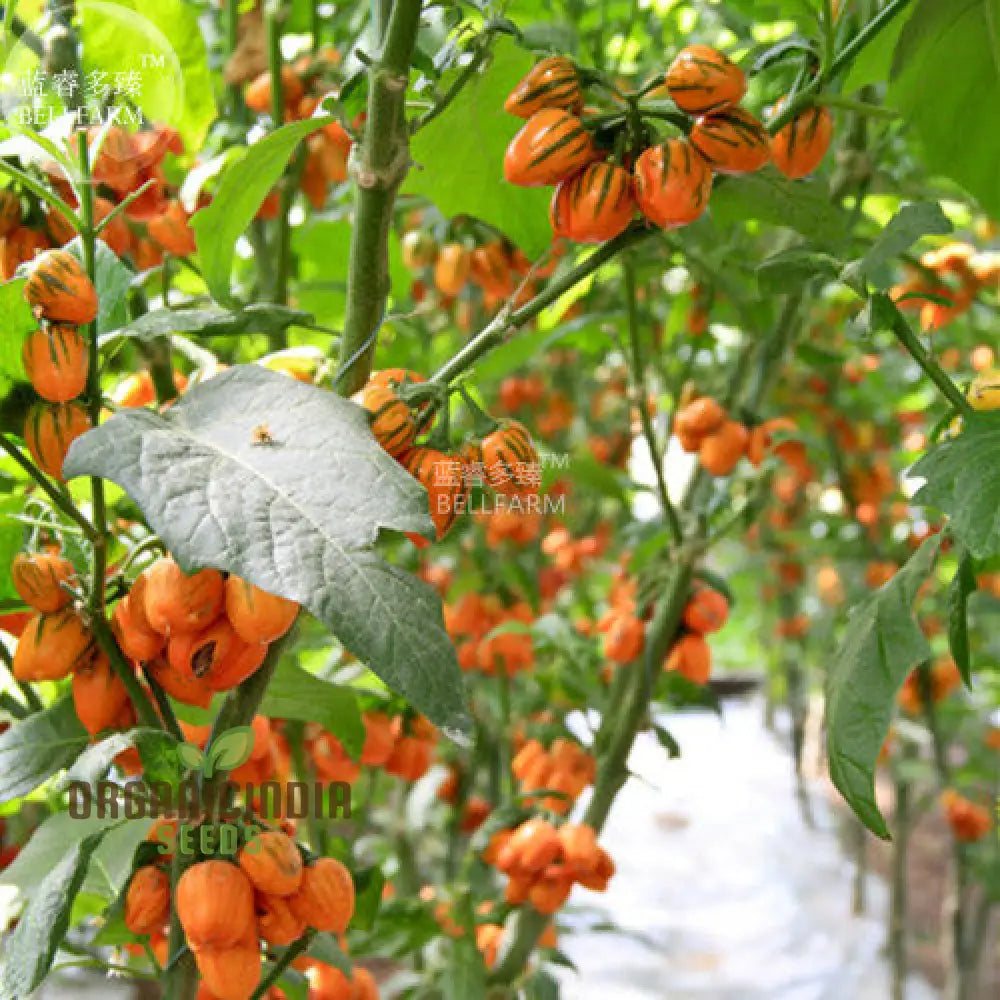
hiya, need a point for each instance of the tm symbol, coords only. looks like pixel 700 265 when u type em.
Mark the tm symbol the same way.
pixel 150 60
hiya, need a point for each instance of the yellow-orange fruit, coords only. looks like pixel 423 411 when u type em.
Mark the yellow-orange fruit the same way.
pixel 49 430
pixel 38 579
pixel 99 694
pixel 231 973
pixel 325 900
pixel 214 903
pixel 272 863
pixel 52 647
pixel 174 601
pixel 147 902
pixel 256 615
pixel 276 922
pixel 56 361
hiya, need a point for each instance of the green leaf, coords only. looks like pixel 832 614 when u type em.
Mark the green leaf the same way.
pixel 908 225
pixel 229 750
pixel 459 156
pixel 15 314
pixel 298 517
pixel 962 479
pixel 261 317
pixel 804 206
pixel 92 765
pixel 962 585
pixel 295 694
pixel 667 740
pixel 189 755
pixel 113 280
pixel 33 750
pixel 368 886
pixel 244 185
pixel 465 975
pixel 326 948
pixel 542 986
pixel 11 540
pixel 135 36
pixel 946 84
pixel 882 645
pixel 31 947
pixel 874 62
pixel 790 270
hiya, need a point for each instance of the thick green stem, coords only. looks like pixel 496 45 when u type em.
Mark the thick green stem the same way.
pixel 378 165
pixel 911 342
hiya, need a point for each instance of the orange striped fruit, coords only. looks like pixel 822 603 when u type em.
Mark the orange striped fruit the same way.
pixel 593 205
pixel 391 421
pixel 551 145
pixel 672 183
pixel 59 289
pixel 443 476
pixel 798 148
pixel 38 579
pixel 50 429
pixel 552 83
pixel 56 362
pixel 510 459
pixel 732 141
pixel 701 79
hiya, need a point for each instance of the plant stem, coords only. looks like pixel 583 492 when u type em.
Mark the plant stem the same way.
pixel 109 644
pixel 288 956
pixel 378 166
pixel 170 722
pixel 919 353
pixel 232 18
pixel 507 322
pixel 638 373
pixel 88 240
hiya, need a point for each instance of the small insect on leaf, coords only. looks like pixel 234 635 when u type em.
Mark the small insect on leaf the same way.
pixel 189 755
pixel 261 435
pixel 229 750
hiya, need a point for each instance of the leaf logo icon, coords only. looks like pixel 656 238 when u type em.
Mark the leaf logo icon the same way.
pixel 189 755
pixel 229 750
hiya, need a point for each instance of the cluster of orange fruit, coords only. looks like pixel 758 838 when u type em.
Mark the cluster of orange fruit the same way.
pixel 471 619
pixel 505 459
pixel 228 909
pixel 194 634
pixel 402 746
pixel 56 356
pixel 543 862
pixel 597 195
pixel 565 767
pixel 954 273
pixel 150 225
pixel 303 87
pixel 494 266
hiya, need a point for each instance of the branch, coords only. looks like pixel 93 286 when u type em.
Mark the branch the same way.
pixel 378 165
pixel 507 322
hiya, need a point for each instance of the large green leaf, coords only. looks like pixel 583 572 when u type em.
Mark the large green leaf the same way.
pixel 883 644
pixel 11 539
pixel 459 156
pixel 164 44
pixel 903 230
pixel 36 748
pixel 804 206
pixel 295 694
pixel 244 185
pixel 109 866
pixel 962 479
pixel 298 516
pixel 946 83
pixel 30 949
pixel 211 321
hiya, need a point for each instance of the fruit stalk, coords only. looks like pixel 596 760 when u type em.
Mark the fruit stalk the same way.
pixel 379 163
